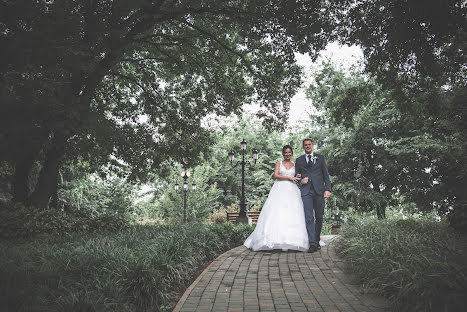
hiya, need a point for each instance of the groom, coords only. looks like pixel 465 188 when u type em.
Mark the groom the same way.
pixel 315 186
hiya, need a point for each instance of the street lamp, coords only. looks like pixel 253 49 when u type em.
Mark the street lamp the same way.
pixel 243 216
pixel 335 227
pixel 185 175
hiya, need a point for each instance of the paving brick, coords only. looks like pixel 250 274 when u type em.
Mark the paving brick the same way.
pixel 242 280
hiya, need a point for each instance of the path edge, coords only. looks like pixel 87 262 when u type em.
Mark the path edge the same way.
pixel 190 288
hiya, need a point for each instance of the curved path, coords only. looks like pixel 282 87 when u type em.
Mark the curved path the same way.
pixel 243 280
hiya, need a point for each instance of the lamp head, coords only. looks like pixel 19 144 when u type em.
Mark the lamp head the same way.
pixel 255 155
pixel 231 156
pixel 185 173
pixel 243 143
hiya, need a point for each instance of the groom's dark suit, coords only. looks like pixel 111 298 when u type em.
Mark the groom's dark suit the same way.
pixel 313 193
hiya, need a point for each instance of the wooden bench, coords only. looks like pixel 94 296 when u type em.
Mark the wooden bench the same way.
pixel 253 216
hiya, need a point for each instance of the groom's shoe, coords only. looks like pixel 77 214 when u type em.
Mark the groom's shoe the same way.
pixel 318 247
pixel 312 249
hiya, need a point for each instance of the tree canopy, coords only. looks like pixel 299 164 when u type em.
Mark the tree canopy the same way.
pixel 371 167
pixel 127 84
pixel 411 42
pixel 416 51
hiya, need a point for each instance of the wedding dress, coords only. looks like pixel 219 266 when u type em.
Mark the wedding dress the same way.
pixel 281 223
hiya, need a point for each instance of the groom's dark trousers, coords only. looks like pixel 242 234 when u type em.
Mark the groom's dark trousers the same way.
pixel 313 193
pixel 313 206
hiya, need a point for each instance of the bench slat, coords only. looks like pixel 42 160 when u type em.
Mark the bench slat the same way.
pixel 232 216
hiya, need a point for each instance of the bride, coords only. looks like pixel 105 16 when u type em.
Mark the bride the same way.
pixel 281 223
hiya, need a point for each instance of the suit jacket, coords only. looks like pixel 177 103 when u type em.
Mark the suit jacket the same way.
pixel 316 172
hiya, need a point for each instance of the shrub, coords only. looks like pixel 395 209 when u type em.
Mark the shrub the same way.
pixel 218 216
pixel 21 221
pixel 413 262
pixel 141 268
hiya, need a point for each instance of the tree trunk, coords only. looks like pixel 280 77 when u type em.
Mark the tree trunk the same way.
pixel 32 145
pixel 54 200
pixel 78 95
pixel 21 179
pixel 458 217
pixel 48 177
pixel 381 211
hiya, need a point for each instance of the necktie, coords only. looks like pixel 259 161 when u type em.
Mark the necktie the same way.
pixel 309 158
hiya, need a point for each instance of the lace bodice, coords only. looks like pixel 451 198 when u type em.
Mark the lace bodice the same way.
pixel 286 172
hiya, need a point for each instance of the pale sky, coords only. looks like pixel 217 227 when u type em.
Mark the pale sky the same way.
pixel 344 56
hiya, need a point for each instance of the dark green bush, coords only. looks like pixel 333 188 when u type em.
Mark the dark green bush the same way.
pixel 141 268
pixel 25 222
pixel 416 263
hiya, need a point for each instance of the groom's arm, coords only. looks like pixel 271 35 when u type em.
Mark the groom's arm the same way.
pixel 327 180
pixel 299 170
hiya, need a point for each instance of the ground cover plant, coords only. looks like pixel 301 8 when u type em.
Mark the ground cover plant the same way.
pixel 140 268
pixel 417 263
pixel 19 221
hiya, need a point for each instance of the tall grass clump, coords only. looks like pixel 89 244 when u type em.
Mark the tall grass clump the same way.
pixel 415 263
pixel 20 221
pixel 141 268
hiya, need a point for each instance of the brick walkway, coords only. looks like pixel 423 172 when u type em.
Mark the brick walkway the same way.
pixel 242 280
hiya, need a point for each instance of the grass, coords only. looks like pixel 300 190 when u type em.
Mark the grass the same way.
pixel 418 264
pixel 141 268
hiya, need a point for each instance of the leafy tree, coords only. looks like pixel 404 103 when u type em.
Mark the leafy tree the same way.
pixel 416 50
pixel 96 196
pixel 218 184
pixel 258 177
pixel 413 45
pixel 200 203
pixel 371 170
pixel 127 83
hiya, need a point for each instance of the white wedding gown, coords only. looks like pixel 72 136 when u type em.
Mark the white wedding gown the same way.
pixel 281 223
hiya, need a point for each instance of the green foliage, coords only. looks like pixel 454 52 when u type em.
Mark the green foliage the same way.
pixel 359 122
pixel 96 196
pixel 138 269
pixel 258 178
pixel 5 182
pixel 200 203
pixel 417 54
pixel 25 222
pixel 422 42
pixel 379 155
pixel 218 183
pixel 417 263
pixel 128 90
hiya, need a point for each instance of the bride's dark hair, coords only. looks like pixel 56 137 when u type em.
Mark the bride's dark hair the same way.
pixel 287 147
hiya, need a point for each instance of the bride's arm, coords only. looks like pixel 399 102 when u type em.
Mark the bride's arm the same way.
pixel 281 177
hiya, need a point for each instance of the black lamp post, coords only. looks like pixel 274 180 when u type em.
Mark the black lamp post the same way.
pixel 185 176
pixel 243 216
pixel 335 227
pixel 337 218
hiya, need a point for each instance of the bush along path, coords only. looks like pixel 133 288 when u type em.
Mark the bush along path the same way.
pixel 243 280
pixel 419 264
pixel 140 268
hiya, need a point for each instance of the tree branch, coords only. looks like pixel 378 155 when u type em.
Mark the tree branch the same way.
pixel 134 81
pixel 223 45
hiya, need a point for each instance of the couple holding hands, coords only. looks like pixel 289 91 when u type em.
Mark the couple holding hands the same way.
pixel 292 216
